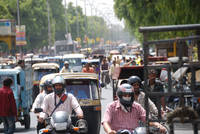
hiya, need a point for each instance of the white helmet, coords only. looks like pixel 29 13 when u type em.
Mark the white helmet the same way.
pixel 58 80
pixel 66 62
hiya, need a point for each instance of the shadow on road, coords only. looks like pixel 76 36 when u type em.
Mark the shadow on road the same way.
pixel 21 130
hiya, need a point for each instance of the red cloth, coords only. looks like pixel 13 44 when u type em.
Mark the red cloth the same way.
pixel 7 102
pixel 91 70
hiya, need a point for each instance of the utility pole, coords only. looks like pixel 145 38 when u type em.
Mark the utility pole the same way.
pixel 86 26
pixel 77 24
pixel 19 25
pixel 49 25
pixel 66 18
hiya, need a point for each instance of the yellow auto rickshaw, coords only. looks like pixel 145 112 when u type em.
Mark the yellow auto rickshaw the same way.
pixel 39 70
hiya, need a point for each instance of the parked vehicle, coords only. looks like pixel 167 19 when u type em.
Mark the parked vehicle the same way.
pixel 22 92
pixel 39 70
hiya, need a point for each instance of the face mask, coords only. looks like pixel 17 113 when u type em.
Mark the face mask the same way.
pixel 126 98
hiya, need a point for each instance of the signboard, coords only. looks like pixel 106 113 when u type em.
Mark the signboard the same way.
pixel 21 35
pixel 7 27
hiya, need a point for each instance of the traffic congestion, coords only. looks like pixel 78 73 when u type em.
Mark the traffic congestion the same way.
pixel 63 71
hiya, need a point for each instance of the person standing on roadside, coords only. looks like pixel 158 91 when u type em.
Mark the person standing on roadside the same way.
pixel 8 112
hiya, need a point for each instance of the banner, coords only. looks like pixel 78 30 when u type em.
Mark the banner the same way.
pixel 21 35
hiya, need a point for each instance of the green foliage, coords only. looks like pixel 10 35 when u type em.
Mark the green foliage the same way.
pixel 96 27
pixel 33 14
pixel 138 13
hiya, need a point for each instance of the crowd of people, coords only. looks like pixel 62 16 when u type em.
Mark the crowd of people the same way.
pixel 123 113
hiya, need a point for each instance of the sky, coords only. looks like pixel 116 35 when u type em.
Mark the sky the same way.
pixel 103 8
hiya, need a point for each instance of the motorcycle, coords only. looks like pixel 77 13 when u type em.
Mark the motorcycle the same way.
pixel 60 123
pixel 141 130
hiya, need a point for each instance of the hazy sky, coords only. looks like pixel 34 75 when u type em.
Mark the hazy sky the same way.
pixel 103 8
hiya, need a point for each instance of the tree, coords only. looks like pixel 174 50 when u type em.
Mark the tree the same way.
pixel 96 27
pixel 58 18
pixel 138 13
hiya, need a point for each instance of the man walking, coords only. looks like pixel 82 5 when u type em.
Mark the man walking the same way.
pixel 8 112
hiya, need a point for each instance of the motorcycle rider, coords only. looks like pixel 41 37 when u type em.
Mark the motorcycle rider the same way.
pixel 47 89
pixel 156 86
pixel 124 113
pixel 52 99
pixel 139 95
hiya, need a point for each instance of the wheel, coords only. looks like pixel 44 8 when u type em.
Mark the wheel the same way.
pixel 27 121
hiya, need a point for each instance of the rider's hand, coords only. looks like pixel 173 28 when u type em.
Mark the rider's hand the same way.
pixel 161 127
pixel 41 120
pixel 112 132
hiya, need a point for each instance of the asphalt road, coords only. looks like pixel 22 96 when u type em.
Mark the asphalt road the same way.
pixel 106 98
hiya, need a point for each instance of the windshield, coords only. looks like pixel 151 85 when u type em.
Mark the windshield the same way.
pixel 74 62
pixel 82 89
pixel 38 74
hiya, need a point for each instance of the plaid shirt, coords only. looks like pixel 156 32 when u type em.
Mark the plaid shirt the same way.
pixel 119 119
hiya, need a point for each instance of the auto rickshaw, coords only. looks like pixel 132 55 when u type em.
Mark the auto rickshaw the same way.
pixel 94 62
pixel 85 87
pixel 55 59
pixel 22 92
pixel 39 70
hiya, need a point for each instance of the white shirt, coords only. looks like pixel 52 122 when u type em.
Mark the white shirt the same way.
pixel 69 104
pixel 65 70
pixel 38 101
pixel 152 107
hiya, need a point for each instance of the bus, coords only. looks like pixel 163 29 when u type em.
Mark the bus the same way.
pixel 61 47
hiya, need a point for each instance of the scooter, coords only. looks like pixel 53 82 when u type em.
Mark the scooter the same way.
pixel 60 123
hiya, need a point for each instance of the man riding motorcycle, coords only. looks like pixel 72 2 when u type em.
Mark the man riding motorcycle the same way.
pixel 139 95
pixel 124 113
pixel 50 103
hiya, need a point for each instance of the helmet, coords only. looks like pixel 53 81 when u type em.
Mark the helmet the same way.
pixel 134 79
pixel 66 62
pixel 58 80
pixel 46 84
pixel 126 89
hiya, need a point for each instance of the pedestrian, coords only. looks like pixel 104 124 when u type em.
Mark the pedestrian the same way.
pixel 8 112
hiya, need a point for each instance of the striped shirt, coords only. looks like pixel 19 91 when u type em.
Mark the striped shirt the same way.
pixel 119 119
pixel 69 104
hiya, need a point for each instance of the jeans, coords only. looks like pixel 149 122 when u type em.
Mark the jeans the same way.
pixel 9 124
